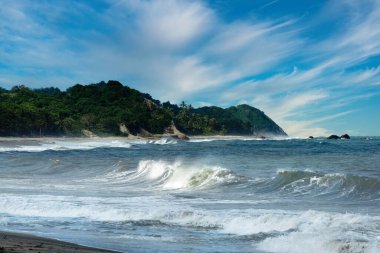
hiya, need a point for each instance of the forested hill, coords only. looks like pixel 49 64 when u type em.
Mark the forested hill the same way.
pixel 104 107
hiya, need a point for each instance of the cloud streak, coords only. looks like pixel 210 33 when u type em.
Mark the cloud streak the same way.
pixel 185 50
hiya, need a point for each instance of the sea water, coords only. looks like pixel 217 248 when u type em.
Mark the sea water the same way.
pixel 205 195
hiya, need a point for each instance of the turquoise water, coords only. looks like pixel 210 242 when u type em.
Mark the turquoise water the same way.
pixel 206 195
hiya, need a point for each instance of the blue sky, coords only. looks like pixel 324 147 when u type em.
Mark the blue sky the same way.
pixel 313 66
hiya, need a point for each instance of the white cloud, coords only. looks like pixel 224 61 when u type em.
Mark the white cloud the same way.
pixel 252 48
pixel 292 103
pixel 302 128
pixel 175 49
pixel 162 24
pixel 171 48
pixel 327 84
pixel 178 49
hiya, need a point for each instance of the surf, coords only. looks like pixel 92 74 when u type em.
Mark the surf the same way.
pixel 173 175
pixel 336 185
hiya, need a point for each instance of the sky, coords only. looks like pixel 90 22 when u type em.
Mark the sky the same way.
pixel 312 66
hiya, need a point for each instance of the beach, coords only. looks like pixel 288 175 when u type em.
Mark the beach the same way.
pixel 16 242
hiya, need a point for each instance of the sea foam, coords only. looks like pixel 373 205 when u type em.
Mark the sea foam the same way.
pixel 270 230
pixel 70 144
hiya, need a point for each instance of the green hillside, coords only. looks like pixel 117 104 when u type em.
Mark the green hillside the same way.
pixel 242 119
pixel 102 107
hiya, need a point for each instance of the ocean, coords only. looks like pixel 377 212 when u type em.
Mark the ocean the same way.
pixel 204 195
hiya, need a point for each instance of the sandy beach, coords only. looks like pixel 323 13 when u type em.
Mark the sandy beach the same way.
pixel 15 242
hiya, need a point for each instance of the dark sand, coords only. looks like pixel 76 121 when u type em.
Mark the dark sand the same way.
pixel 20 243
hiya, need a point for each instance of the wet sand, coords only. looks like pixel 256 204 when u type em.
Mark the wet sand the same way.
pixel 20 243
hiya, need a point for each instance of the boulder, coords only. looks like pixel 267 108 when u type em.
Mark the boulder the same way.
pixel 125 131
pixel 311 137
pixel 88 133
pixel 175 133
pixel 345 136
pixel 333 137
pixel 145 134
pixel 260 137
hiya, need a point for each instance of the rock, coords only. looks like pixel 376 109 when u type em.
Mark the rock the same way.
pixel 345 136
pixel 124 130
pixel 150 104
pixel 311 137
pixel 88 133
pixel 175 133
pixel 333 137
pixel 145 134
pixel 260 137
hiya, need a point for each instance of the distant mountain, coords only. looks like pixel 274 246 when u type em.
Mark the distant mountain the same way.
pixel 113 109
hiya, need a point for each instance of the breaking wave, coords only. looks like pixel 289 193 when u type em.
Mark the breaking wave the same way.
pixel 161 141
pixel 336 184
pixel 60 145
pixel 269 230
pixel 164 141
pixel 175 175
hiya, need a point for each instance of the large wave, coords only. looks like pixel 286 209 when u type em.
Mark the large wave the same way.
pixel 178 175
pixel 318 184
pixel 170 176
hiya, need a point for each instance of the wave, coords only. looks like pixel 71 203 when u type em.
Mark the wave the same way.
pixel 242 138
pixel 178 176
pixel 269 230
pixel 161 141
pixel 203 140
pixel 172 175
pixel 336 184
pixel 60 145
pixel 325 232
pixel 164 141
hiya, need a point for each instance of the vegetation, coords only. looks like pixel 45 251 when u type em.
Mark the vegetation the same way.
pixel 102 107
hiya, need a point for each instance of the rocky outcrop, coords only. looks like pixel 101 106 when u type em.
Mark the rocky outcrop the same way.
pixel 336 137
pixel 260 137
pixel 175 133
pixel 333 137
pixel 150 104
pixel 145 134
pixel 125 131
pixel 88 133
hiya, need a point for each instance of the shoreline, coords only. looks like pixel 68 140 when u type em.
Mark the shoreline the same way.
pixel 19 242
pixel 155 137
pixel 137 138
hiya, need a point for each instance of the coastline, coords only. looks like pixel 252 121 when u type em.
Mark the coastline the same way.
pixel 154 137
pixel 18 242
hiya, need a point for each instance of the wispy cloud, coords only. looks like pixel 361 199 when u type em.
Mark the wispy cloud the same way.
pixel 185 50
pixel 268 4
pixel 327 84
